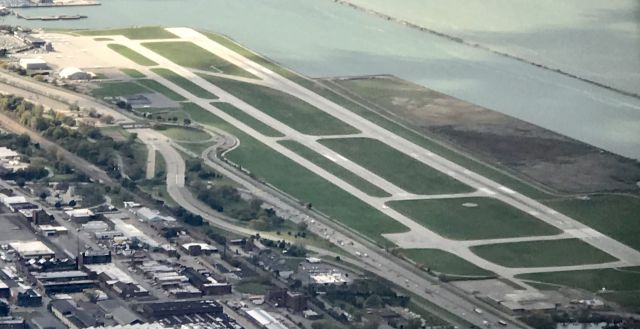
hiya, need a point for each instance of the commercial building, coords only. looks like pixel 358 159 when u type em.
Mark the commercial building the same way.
pixel 41 217
pixel 33 64
pixel 206 283
pixel 31 249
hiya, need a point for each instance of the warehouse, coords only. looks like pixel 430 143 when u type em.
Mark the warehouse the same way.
pixel 157 311
pixel 32 249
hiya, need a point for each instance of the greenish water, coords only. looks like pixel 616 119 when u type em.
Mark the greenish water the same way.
pixel 321 38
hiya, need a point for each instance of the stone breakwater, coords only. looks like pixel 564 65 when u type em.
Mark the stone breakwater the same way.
pixel 480 46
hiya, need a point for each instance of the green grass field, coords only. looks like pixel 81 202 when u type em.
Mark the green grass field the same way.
pixel 102 39
pixel 330 166
pixel 248 120
pixel 385 161
pixel 134 33
pixel 628 299
pixel 304 185
pixel 387 123
pixel 184 83
pixel 133 73
pixel 162 89
pixel 490 219
pixel 188 54
pixel 131 54
pixel 444 262
pixel 622 279
pixel 290 110
pixel 617 216
pixel 564 252
pixel 185 134
pixel 122 88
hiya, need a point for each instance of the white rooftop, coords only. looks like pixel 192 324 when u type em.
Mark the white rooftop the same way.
pixel 79 212
pixel 7 152
pixel 30 248
pixel 265 319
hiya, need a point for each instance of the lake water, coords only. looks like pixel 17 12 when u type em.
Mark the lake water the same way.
pixel 320 38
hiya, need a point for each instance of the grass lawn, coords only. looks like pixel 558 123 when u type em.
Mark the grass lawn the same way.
pixel 188 54
pixel 543 253
pixel 302 184
pixel 248 120
pixel 114 89
pixel 351 178
pixel 285 108
pixel 185 83
pixel 102 39
pixel 444 262
pixel 133 73
pixel 131 54
pixel 134 33
pixel 161 165
pixel 629 299
pixel 185 134
pixel 617 216
pixel 620 279
pixel 489 219
pixel 252 287
pixel 162 89
pixel 389 124
pixel 398 168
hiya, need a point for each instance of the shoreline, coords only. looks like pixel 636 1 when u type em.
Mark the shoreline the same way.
pixel 480 46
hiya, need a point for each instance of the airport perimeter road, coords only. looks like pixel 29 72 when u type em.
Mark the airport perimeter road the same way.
pixel 376 260
pixel 418 235
pixel 624 253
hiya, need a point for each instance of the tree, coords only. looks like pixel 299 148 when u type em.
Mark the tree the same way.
pixel 373 301
pixel 187 121
pixel 414 323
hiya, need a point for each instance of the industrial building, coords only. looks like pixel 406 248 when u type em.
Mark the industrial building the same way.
pixel 112 278
pixel 197 249
pixel 5 291
pixel 157 311
pixel 63 281
pixel 74 73
pixel 282 297
pixel 16 203
pixel 33 64
pixel 80 215
pixel 95 256
pixel 31 249
pixel 206 283
pixel 264 320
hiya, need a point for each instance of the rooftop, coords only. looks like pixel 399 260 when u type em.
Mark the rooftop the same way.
pixel 30 248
